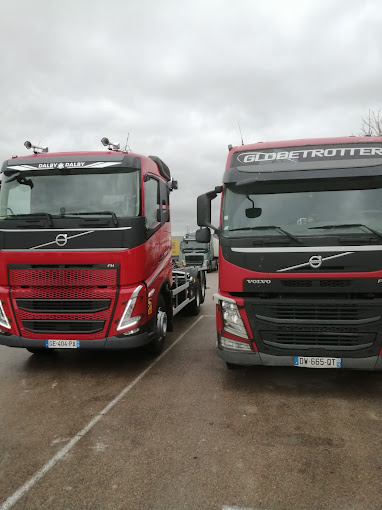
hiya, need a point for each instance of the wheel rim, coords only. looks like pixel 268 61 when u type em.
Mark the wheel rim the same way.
pixel 161 323
pixel 203 288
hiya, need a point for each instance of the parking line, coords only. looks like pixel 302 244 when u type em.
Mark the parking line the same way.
pixel 61 453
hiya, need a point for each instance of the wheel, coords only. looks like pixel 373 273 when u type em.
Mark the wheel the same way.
pixel 38 350
pixel 194 307
pixel 233 366
pixel 202 283
pixel 209 267
pixel 156 345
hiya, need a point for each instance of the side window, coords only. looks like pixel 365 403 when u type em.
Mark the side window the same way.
pixel 164 201
pixel 151 202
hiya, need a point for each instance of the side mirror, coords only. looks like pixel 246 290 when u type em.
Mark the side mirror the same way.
pixel 203 235
pixel 163 215
pixel 253 212
pixel 204 210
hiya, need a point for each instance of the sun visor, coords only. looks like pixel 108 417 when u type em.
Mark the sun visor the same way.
pixel 307 162
pixel 163 168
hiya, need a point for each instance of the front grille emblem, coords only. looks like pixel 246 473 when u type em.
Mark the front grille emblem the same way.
pixel 315 261
pixel 62 239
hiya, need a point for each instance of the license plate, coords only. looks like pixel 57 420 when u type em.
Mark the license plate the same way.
pixel 303 361
pixel 62 344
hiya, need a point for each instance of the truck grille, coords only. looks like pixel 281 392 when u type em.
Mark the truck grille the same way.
pixel 329 340
pixel 62 305
pixel 194 259
pixel 316 312
pixel 67 277
pixel 316 283
pixel 59 301
pixel 63 327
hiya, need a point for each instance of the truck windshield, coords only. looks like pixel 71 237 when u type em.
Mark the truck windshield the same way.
pixel 249 211
pixel 58 193
pixel 193 245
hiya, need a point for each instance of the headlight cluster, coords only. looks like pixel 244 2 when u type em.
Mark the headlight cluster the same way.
pixel 127 321
pixel 3 318
pixel 232 322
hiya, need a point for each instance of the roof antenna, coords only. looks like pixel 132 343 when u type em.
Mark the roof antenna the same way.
pixel 241 134
pixel 127 146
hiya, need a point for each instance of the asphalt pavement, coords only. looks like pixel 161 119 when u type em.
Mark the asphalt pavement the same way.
pixel 121 430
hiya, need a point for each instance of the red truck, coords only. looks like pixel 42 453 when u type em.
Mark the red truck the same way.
pixel 300 260
pixel 85 252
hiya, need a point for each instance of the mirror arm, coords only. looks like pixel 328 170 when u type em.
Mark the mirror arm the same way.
pixel 215 229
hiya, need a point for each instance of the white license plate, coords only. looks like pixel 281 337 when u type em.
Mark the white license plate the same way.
pixel 314 362
pixel 62 344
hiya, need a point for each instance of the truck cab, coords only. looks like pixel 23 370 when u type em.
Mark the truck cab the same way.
pixel 85 251
pixel 204 255
pixel 300 273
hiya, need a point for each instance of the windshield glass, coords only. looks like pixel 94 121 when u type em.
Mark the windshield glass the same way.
pixel 193 245
pixel 247 211
pixel 59 193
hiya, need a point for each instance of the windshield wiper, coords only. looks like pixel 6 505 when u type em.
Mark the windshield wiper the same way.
pixel 348 225
pixel 270 227
pixel 27 215
pixel 95 213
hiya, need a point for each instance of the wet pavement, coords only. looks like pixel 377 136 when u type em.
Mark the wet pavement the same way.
pixel 120 430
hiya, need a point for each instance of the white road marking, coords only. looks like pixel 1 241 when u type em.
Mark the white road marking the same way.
pixel 19 493
pixel 225 507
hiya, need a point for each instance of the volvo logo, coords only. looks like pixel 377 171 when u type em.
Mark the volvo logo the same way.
pixel 61 239
pixel 315 261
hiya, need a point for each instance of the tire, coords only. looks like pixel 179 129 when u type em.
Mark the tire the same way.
pixel 194 307
pixel 209 267
pixel 202 283
pixel 156 346
pixel 38 350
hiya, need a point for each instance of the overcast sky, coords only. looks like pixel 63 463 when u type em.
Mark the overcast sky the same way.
pixel 179 75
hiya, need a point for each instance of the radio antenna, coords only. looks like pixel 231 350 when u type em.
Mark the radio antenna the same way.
pixel 241 134
pixel 127 144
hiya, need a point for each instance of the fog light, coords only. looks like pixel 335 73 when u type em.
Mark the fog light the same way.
pixel 236 345
pixel 131 332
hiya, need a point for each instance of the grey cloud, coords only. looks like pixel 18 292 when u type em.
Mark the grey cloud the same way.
pixel 178 76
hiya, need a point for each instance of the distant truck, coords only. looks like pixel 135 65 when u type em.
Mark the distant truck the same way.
pixel 204 255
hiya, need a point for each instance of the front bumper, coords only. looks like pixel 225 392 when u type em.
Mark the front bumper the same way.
pixel 113 342
pixel 258 358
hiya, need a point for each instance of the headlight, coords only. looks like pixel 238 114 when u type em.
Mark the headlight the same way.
pixel 127 321
pixel 3 318
pixel 232 322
